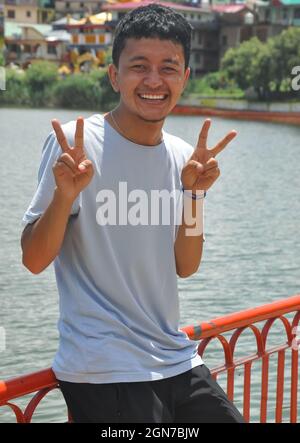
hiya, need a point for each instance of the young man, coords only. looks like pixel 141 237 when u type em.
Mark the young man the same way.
pixel 121 356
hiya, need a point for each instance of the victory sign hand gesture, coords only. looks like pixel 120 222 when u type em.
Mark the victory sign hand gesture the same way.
pixel 201 170
pixel 72 170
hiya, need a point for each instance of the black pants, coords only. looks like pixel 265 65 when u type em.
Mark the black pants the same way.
pixel 191 397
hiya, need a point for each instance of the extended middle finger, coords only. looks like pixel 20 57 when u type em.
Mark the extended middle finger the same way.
pixel 79 133
pixel 223 143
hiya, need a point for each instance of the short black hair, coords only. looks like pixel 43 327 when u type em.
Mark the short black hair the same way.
pixel 153 21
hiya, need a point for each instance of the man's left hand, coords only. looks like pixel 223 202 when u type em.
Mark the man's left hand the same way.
pixel 202 170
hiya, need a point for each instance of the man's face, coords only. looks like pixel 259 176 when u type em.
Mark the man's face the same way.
pixel 150 78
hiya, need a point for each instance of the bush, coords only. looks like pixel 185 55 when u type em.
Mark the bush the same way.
pixel 40 79
pixel 214 84
pixel 16 92
pixel 109 98
pixel 77 91
pixel 84 91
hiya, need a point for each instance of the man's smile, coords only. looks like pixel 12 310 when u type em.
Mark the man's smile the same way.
pixel 153 98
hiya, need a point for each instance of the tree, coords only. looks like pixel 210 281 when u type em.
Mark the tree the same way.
pixel 285 50
pixel 249 65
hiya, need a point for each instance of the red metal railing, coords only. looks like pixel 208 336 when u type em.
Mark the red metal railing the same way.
pixel 42 382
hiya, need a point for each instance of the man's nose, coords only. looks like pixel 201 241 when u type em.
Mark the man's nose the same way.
pixel 153 79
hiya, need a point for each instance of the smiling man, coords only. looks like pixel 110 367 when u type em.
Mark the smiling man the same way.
pixel 121 356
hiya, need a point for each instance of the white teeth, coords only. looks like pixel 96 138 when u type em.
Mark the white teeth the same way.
pixel 153 97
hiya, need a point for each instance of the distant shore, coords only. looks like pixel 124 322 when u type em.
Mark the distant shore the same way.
pixel 291 118
pixel 276 112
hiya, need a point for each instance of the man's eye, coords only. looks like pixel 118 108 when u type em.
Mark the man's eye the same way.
pixel 139 67
pixel 169 69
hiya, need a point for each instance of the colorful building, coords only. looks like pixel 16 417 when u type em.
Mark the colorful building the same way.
pixel 29 11
pixel 26 43
pixel 78 9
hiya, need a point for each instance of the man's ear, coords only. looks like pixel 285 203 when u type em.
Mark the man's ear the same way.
pixel 186 77
pixel 112 72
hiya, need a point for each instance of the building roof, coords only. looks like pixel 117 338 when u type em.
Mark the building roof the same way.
pixel 12 29
pixel 67 20
pixel 290 2
pixel 126 6
pixel 98 19
pixel 229 9
pixel 58 35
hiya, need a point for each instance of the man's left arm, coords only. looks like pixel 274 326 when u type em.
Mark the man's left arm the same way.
pixel 188 248
pixel 198 175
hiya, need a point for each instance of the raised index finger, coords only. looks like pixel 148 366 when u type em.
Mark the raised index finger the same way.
pixel 79 133
pixel 223 143
pixel 202 140
pixel 61 138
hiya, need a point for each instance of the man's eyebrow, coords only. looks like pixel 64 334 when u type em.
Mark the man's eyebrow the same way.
pixel 143 58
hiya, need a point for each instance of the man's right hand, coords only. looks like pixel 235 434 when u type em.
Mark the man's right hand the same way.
pixel 72 170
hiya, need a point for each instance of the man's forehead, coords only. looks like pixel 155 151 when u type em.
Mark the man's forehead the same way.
pixel 146 48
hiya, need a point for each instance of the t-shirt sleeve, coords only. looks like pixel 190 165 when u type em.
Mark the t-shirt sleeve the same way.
pixel 46 183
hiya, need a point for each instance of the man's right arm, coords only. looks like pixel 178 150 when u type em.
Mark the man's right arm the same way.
pixel 41 241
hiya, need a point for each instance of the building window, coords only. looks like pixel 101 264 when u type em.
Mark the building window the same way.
pixel 82 5
pixel 267 15
pixel 28 13
pixel 199 37
pixel 51 50
pixel 284 14
pixel 67 5
pixel 224 40
pixel 297 13
pixel 197 57
pixel 11 13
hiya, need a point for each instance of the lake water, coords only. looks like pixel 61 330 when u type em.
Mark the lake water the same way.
pixel 251 254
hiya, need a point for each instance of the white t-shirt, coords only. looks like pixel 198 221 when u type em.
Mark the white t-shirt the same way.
pixel 119 307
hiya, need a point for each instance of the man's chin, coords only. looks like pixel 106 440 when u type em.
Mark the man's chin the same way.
pixel 152 118
pixel 148 120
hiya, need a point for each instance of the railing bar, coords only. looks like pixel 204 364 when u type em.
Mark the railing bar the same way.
pixel 247 391
pixel 294 386
pixel 280 386
pixel 244 360
pixel 230 383
pixel 264 388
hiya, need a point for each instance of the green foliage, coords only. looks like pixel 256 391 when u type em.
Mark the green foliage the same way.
pixel 109 98
pixel 77 91
pixel 40 78
pixel 215 84
pixel 286 54
pixel 16 92
pixel 1 58
pixel 249 65
pixel 266 67
pixel 84 91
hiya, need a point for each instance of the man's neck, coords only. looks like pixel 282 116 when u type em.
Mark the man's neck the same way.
pixel 135 128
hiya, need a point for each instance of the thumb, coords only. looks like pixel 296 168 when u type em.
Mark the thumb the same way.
pixel 85 165
pixel 194 165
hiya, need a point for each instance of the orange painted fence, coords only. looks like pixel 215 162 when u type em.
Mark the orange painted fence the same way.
pixel 42 382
